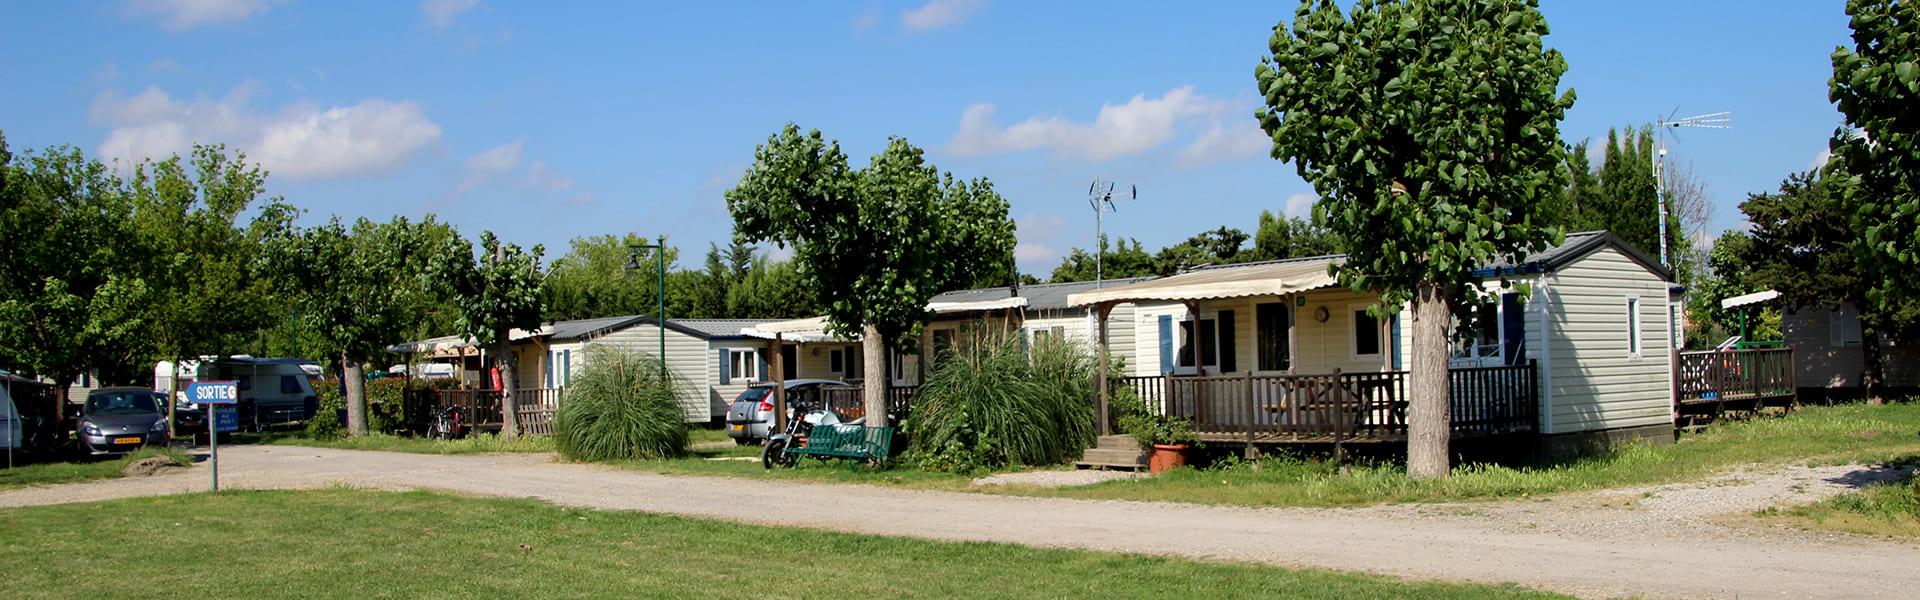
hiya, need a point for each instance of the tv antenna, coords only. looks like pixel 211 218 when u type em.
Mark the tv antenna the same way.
pixel 1101 196
pixel 1668 127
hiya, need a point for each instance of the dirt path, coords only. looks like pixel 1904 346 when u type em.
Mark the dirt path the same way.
pixel 1653 542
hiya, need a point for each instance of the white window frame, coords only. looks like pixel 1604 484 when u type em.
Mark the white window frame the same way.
pixel 1035 334
pixel 744 369
pixel 1180 327
pixel 1636 333
pixel 1353 335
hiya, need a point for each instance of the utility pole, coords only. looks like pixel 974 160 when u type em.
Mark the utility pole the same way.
pixel 1100 195
pixel 1719 120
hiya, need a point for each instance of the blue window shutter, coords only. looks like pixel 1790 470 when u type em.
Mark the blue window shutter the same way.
pixel 1513 329
pixel 1224 320
pixel 762 357
pixel 1166 343
pixel 1393 330
pixel 726 367
pixel 566 365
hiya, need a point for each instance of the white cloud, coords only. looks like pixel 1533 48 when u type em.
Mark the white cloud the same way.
pixel 1132 128
pixel 1301 205
pixel 868 19
pixel 106 74
pixel 181 15
pixel 165 66
pixel 440 13
pixel 538 175
pixel 1228 141
pixel 1039 240
pixel 486 166
pixel 940 13
pixel 1819 160
pixel 300 140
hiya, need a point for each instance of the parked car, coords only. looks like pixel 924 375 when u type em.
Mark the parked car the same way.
pixel 117 420
pixel 750 417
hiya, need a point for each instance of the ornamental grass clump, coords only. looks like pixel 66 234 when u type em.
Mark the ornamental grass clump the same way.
pixel 622 405
pixel 994 403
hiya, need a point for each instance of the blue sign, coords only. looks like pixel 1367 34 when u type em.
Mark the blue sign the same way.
pixel 213 392
pixel 225 421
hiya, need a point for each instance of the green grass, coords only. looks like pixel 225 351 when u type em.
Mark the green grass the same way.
pixel 355 544
pixel 702 435
pixel 1890 509
pixel 482 443
pixel 48 473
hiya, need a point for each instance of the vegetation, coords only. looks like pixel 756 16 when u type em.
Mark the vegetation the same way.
pixel 990 404
pixel 342 543
pixel 622 405
pixel 876 243
pixel 477 443
pixel 1278 237
pixel 51 472
pixel 1885 509
pixel 497 292
pixel 1430 130
pixel 1159 430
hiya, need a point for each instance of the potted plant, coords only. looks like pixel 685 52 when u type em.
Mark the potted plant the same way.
pixel 1166 439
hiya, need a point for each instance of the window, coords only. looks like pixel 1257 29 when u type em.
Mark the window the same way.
pixel 1273 322
pixel 1633 327
pixel 1366 334
pixel 1041 334
pixel 290 384
pixel 836 361
pixel 744 365
pixel 1843 323
pixel 1484 348
pixel 1209 355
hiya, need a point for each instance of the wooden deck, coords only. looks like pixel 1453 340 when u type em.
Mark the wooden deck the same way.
pixel 1707 384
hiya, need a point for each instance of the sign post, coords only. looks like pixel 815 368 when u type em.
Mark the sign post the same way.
pixel 213 394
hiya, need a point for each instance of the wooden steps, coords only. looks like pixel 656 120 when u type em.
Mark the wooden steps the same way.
pixel 1114 452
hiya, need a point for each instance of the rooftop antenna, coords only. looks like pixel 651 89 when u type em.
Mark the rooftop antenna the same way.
pixel 1668 127
pixel 1101 195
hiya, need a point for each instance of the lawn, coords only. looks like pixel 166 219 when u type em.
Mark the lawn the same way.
pixel 52 472
pixel 344 543
pixel 1890 509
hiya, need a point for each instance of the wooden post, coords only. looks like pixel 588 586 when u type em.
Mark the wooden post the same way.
pixel 1100 316
pixel 1252 415
pixel 779 384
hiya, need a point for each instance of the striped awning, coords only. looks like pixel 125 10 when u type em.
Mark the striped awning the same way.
pixel 1240 281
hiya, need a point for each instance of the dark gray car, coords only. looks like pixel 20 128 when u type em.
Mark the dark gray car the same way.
pixel 750 417
pixel 118 420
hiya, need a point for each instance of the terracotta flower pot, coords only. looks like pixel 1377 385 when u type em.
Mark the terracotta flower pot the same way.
pixel 1166 456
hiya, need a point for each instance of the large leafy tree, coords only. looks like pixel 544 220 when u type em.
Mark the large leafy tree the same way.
pixel 1280 236
pixel 1117 261
pixel 1876 85
pixel 1430 130
pixel 73 287
pixel 497 291
pixel 592 279
pixel 876 243
pixel 359 290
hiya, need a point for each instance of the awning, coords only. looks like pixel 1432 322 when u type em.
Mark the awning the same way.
pixel 1753 298
pixel 809 330
pixel 454 342
pixel 941 308
pixel 1271 279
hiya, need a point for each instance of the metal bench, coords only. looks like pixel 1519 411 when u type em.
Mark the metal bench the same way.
pixel 856 443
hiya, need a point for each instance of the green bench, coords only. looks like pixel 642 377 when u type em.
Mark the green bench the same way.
pixel 856 443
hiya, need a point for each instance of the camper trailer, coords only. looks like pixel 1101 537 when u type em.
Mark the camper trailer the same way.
pixel 272 390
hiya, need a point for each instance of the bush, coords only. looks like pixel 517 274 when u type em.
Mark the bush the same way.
pixel 621 405
pixel 993 403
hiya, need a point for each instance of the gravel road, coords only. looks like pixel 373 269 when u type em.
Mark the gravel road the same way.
pixel 1657 542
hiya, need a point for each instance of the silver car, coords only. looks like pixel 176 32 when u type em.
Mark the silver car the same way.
pixel 118 420
pixel 750 417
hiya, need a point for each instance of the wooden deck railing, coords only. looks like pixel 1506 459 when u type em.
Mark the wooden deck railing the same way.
pixel 481 408
pixel 1725 376
pixel 1344 406
pixel 848 401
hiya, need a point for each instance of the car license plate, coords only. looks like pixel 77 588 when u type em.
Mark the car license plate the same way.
pixel 126 440
pixel 739 428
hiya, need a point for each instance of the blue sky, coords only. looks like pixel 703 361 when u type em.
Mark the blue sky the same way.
pixel 554 120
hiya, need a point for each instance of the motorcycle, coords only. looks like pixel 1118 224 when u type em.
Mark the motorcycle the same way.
pixel 447 425
pixel 774 452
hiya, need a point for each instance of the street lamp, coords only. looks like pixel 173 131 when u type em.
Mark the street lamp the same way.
pixel 633 263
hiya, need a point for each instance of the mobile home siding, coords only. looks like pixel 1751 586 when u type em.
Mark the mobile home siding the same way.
pixel 1595 384
pixel 688 358
pixel 1822 363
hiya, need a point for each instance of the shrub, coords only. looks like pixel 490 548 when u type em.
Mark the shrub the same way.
pixel 621 405
pixel 993 403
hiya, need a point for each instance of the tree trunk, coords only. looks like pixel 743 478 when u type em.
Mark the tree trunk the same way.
pixel 509 403
pixel 1429 422
pixel 1873 381
pixel 874 393
pixel 355 380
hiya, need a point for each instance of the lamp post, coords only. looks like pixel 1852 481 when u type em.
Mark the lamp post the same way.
pixel 633 263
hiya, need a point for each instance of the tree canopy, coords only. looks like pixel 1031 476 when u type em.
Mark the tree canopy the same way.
pixel 1876 85
pixel 1429 128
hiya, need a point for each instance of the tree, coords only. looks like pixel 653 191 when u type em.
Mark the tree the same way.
pixel 1281 237
pixel 1117 262
pixel 1429 128
pixel 498 291
pixel 359 290
pixel 875 243
pixel 73 290
pixel 1876 84
pixel 592 280
pixel 1220 246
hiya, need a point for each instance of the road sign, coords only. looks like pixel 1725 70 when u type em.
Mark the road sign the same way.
pixel 225 421
pixel 213 392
